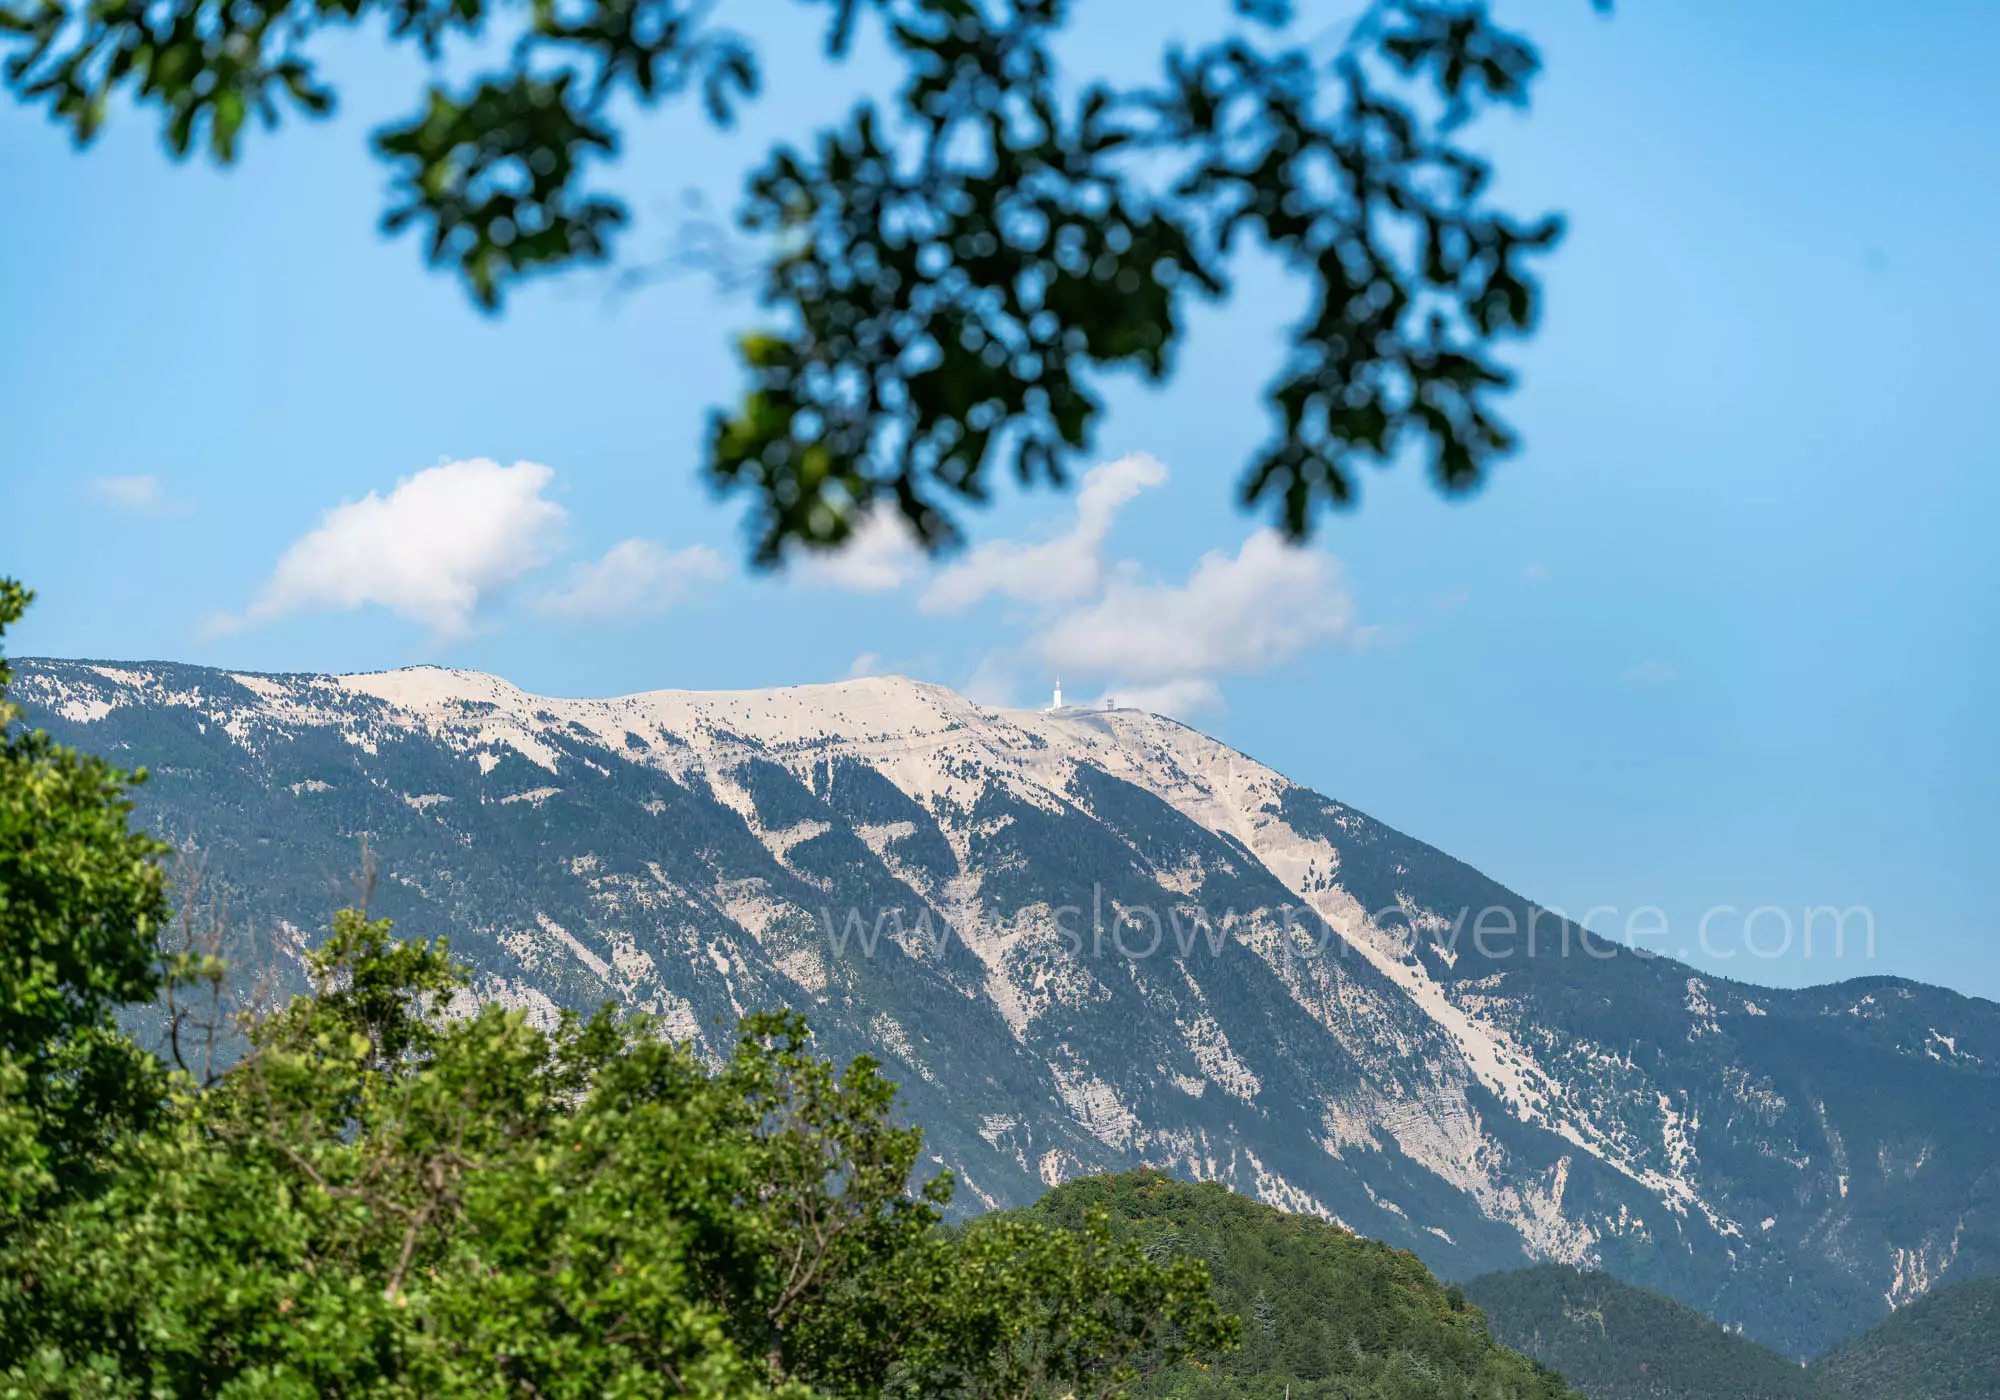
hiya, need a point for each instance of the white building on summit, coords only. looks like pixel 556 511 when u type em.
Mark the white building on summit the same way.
pixel 1057 703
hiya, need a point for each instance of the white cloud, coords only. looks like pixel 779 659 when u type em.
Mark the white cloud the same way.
pixel 142 495
pixel 883 554
pixel 429 551
pixel 1149 644
pixel 1071 565
pixel 634 577
pixel 1235 613
pixel 997 680
pixel 869 663
pixel 879 557
pixel 1190 695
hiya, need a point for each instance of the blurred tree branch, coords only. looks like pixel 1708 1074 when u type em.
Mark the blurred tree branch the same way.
pixel 950 271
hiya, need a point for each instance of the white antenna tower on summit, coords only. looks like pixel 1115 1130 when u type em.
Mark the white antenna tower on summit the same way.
pixel 1057 705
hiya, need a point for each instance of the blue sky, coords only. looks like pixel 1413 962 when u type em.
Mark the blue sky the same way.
pixel 1724 633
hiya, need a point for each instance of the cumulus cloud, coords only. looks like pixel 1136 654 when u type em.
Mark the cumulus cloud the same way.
pixel 635 577
pixel 1241 612
pixel 1189 695
pixel 1071 565
pixel 142 495
pixel 429 551
pixel 1107 625
pixel 883 555
pixel 879 557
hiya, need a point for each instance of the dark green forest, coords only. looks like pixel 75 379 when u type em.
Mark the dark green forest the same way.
pixel 1945 1346
pixel 1615 1341
pixel 1325 1314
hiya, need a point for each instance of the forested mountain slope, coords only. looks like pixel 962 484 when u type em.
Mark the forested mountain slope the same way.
pixel 1946 1346
pixel 1616 1341
pixel 1326 1315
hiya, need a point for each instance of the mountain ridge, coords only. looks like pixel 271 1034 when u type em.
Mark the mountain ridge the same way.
pixel 1334 1046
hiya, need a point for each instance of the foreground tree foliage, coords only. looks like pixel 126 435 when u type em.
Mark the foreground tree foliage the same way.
pixel 376 1200
pixel 949 272
pixel 394 1192
pixel 81 900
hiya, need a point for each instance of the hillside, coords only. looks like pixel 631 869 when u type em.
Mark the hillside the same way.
pixel 1614 1341
pixel 1325 1313
pixel 1945 1347
pixel 1086 941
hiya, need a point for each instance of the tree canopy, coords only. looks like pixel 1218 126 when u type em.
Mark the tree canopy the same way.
pixel 948 272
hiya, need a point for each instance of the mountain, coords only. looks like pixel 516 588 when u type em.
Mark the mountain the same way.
pixel 1945 1346
pixel 1616 1341
pixel 1089 941
pixel 1326 1315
